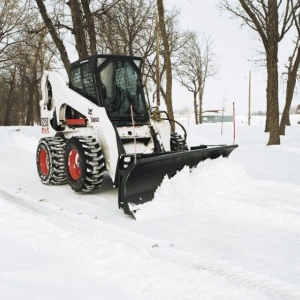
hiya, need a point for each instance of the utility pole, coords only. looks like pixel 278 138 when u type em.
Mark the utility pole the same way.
pixel 249 99
pixel 156 112
pixel 157 63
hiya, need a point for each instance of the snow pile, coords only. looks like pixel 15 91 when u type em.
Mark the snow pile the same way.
pixel 191 190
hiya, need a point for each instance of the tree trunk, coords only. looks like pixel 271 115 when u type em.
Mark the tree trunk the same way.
pixel 167 57
pixel 267 114
pixel 272 117
pixel 56 39
pixel 285 118
pixel 10 100
pixel 200 105
pixel 272 68
pixel 90 25
pixel 292 78
pixel 196 108
pixel 37 115
pixel 78 29
pixel 29 115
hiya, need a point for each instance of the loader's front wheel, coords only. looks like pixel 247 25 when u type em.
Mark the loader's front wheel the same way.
pixel 84 164
pixel 50 160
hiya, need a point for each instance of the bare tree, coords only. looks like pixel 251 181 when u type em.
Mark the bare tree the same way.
pixel 80 22
pixel 167 57
pixel 90 25
pixel 292 71
pixel 194 65
pixel 28 56
pixel 127 28
pixel 36 54
pixel 10 99
pixel 12 16
pixel 52 28
pixel 263 17
pixel 177 40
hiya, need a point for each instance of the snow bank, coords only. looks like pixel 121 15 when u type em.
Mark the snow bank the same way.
pixel 190 190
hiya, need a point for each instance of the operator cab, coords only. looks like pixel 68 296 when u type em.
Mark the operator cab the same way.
pixel 113 82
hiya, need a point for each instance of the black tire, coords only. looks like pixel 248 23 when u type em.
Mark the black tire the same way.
pixel 50 161
pixel 84 164
pixel 178 143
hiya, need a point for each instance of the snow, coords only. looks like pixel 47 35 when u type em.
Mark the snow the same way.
pixel 229 229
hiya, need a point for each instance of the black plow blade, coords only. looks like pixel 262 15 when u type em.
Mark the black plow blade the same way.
pixel 140 180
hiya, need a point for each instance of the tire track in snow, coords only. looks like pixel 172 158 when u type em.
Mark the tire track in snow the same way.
pixel 275 289
pixel 159 251
pixel 272 288
pixel 130 260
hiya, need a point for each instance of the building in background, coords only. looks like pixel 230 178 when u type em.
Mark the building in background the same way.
pixel 216 115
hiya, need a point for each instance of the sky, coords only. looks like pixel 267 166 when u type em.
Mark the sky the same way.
pixel 235 50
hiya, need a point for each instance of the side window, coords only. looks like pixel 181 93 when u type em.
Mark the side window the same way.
pixel 87 80
pixel 82 80
pixel 76 78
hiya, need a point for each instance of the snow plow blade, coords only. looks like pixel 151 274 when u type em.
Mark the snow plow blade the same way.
pixel 138 182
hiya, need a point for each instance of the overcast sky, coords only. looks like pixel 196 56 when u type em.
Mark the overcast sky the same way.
pixel 235 50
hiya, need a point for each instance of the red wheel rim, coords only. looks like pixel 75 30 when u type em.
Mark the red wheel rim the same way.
pixel 44 161
pixel 74 164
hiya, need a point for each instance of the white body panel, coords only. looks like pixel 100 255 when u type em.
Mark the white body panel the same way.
pixel 163 129
pixel 132 134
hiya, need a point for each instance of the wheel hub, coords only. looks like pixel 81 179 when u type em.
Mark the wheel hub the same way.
pixel 74 164
pixel 44 161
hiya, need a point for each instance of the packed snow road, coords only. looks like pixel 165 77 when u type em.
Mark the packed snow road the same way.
pixel 230 229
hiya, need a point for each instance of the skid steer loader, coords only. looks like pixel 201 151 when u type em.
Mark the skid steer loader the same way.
pixel 101 122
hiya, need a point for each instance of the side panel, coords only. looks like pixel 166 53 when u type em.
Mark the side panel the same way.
pixel 164 131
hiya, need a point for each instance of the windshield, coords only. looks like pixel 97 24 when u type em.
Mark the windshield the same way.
pixel 121 89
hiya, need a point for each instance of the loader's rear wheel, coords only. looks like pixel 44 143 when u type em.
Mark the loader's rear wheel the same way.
pixel 84 164
pixel 50 160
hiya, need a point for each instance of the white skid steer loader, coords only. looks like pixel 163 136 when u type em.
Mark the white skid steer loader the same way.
pixel 101 122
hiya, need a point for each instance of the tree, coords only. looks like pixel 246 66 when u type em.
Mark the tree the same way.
pixel 176 39
pixel 292 71
pixel 12 26
pixel 80 23
pixel 263 17
pixel 11 19
pixel 25 60
pixel 167 57
pixel 36 54
pixel 127 28
pixel 57 39
pixel 194 64
pixel 10 99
